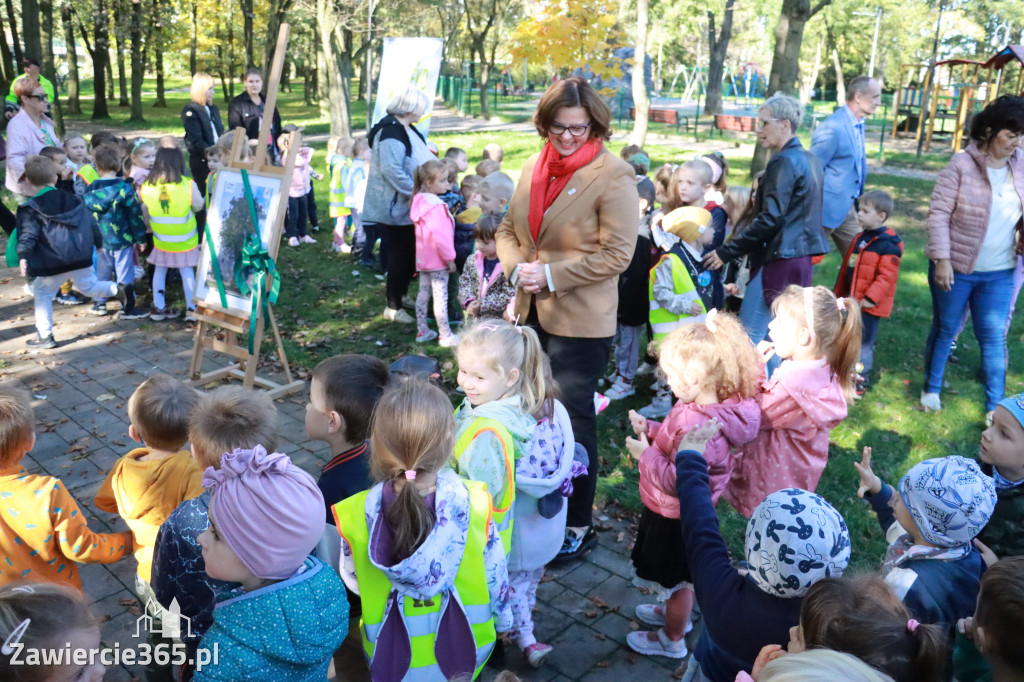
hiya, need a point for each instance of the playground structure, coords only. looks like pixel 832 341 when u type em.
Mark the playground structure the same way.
pixel 747 82
pixel 959 89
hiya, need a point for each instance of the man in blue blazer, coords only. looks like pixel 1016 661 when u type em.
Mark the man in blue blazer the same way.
pixel 838 142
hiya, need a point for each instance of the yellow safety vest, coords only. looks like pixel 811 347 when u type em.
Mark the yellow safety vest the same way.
pixel 663 321
pixel 339 176
pixel 422 617
pixel 170 215
pixel 503 509
pixel 88 173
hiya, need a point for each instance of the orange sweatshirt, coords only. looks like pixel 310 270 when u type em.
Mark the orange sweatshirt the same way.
pixel 43 532
pixel 145 493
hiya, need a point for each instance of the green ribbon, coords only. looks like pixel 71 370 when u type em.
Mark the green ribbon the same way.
pixel 215 266
pixel 258 258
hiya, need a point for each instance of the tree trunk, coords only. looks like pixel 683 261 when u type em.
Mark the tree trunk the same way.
pixel 247 34
pixel 193 65
pixel 158 53
pixel 7 71
pixel 840 83
pixel 230 92
pixel 31 30
pixel 809 79
pixel 12 22
pixel 716 66
pixel 275 17
pixel 138 63
pixel 49 69
pixel 641 102
pixel 110 74
pixel 74 104
pixel 789 35
pixel 485 82
pixel 100 57
pixel 122 69
pixel 334 45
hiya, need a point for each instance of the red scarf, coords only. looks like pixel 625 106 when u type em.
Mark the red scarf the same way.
pixel 550 176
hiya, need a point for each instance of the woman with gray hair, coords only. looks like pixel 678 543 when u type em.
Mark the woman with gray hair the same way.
pixel 396 150
pixel 786 231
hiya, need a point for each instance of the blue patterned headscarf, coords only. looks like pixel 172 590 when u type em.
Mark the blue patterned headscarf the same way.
pixel 950 499
pixel 1015 406
pixel 794 539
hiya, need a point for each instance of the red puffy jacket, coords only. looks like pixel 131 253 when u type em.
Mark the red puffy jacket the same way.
pixel 875 271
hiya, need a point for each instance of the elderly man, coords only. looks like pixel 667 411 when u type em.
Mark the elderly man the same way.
pixel 839 144
pixel 31 67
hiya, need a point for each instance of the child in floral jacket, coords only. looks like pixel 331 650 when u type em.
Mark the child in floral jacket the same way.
pixel 483 289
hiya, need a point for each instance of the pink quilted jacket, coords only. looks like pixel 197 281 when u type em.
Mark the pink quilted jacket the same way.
pixel 960 206
pixel 740 423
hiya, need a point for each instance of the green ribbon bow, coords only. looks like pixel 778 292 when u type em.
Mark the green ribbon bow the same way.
pixel 215 266
pixel 258 258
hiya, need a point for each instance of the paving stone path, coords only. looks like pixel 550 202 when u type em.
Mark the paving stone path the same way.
pixel 80 392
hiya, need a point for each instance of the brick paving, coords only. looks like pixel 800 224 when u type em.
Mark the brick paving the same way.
pixel 80 392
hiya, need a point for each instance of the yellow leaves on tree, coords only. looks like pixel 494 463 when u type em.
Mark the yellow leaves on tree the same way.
pixel 571 34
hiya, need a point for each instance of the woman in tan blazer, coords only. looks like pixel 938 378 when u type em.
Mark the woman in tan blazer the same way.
pixel 570 230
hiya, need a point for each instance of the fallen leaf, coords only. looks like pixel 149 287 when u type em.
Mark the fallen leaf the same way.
pixel 600 635
pixel 590 614
pixel 634 626
pixel 632 657
pixel 599 603
pixel 602 664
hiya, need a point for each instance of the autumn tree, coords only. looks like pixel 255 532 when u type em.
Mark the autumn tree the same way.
pixel 718 45
pixel 641 101
pixel 571 34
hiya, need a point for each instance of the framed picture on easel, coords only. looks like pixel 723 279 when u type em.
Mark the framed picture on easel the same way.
pixel 230 224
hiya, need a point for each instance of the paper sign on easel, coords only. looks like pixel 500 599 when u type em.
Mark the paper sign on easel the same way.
pixel 408 60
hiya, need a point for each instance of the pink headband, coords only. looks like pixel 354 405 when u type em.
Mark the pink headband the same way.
pixel 716 170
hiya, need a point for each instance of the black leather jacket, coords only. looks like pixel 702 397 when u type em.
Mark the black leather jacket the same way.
pixel 243 113
pixel 788 203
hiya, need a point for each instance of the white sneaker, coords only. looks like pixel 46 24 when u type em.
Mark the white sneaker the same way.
pixel 293 241
pixel 306 239
pixel 393 315
pixel 619 390
pixel 660 406
pixel 931 402
pixel 344 248
pixel 449 341
pixel 643 370
pixel 429 336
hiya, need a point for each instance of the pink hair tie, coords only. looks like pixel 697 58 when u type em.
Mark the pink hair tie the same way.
pixel 912 625
pixel 709 321
pixel 410 474
pixel 840 304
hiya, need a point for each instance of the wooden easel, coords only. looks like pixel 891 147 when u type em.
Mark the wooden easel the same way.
pixel 210 317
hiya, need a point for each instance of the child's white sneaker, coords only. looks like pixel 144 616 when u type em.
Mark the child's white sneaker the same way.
pixel 931 401
pixel 293 241
pixel 648 613
pixel 619 390
pixel 641 643
pixel 643 370
pixel 429 335
pixel 536 653
pixel 344 248
pixel 660 406
pixel 449 341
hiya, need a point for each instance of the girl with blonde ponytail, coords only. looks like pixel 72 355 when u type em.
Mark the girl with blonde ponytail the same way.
pixel 421 543
pixel 817 336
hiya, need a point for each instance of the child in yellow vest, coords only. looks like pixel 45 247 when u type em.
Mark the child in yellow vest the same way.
pixel 439 560
pixel 339 163
pixel 43 533
pixel 501 369
pixel 172 198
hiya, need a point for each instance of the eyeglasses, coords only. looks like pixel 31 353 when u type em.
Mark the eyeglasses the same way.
pixel 557 129
pixel 763 122
pixel 41 98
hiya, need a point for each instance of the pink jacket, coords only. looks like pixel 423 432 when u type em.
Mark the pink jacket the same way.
pixel 961 202
pixel 435 232
pixel 739 418
pixel 24 139
pixel 800 404
pixel 302 173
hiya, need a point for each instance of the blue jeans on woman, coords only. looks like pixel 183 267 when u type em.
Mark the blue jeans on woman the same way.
pixel 989 295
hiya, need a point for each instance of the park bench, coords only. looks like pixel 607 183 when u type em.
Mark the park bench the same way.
pixel 739 124
pixel 667 116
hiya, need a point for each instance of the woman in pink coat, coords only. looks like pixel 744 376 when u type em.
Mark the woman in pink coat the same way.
pixel 974 244
pixel 27 133
pixel 713 370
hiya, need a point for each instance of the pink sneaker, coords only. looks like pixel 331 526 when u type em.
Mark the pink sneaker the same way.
pixel 536 653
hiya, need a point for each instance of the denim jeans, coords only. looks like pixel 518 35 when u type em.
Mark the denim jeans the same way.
pixel 119 263
pixel 755 315
pixel 989 295
pixel 45 288
pixel 867 341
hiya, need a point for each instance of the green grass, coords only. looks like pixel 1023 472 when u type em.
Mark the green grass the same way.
pixel 330 306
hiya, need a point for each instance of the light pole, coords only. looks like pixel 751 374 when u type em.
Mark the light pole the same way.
pixel 877 14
